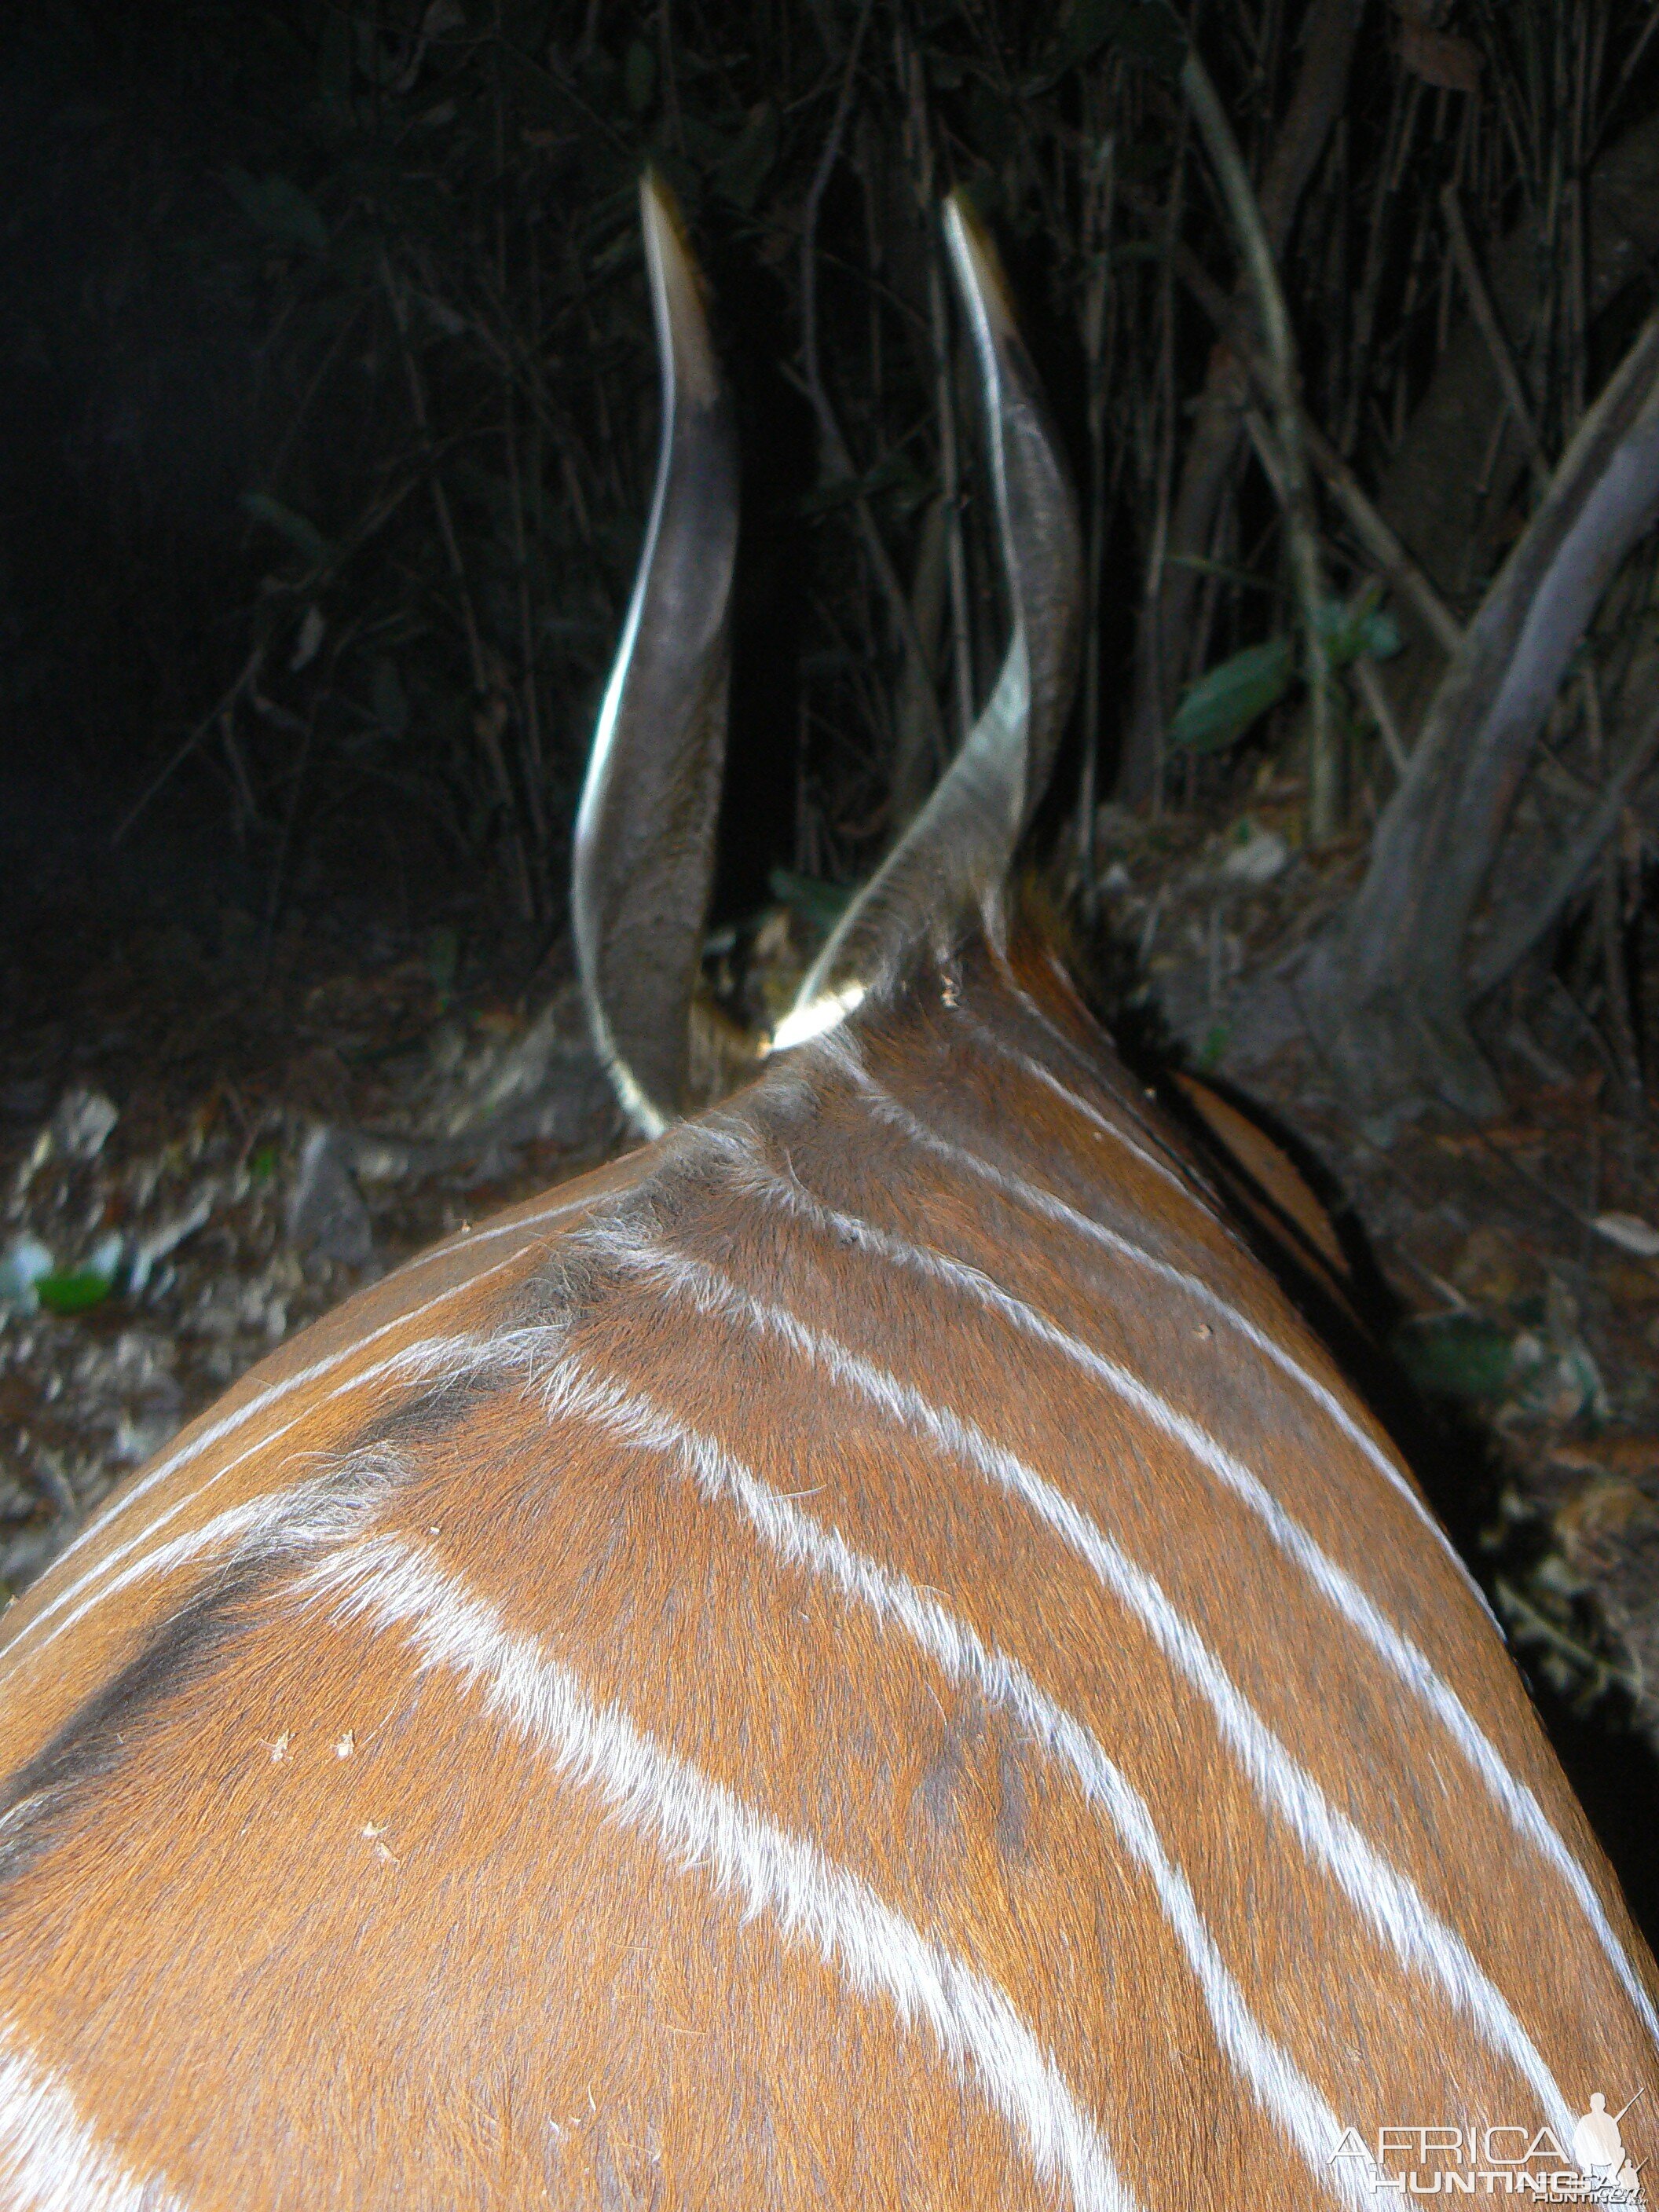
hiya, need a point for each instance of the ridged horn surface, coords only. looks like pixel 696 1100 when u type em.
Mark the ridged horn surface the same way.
pixel 958 849
pixel 645 833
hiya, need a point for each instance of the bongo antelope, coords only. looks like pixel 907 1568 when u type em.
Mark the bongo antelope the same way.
pixel 862 1656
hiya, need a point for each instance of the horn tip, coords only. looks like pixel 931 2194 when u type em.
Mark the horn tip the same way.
pixel 678 290
pixel 978 266
pixel 660 206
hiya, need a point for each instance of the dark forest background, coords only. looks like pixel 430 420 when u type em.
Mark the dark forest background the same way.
pixel 330 410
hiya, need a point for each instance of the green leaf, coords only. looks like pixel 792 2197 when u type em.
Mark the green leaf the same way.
pixel 72 1290
pixel 280 209
pixel 305 537
pixel 1351 627
pixel 1458 1355
pixel 896 475
pixel 820 903
pixel 1380 636
pixel 639 75
pixel 1227 699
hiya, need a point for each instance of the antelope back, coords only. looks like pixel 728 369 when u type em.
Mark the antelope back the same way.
pixel 864 1654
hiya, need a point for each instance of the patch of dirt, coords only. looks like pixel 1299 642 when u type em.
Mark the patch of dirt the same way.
pixel 203 1146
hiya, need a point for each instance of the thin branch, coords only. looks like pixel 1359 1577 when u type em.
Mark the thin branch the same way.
pixel 1501 959
pixel 1485 317
pixel 1201 487
pixel 1324 755
pixel 248 675
pixel 1096 236
pixel 1632 62
pixel 484 722
pixel 836 456
pixel 1374 533
pixel 1379 539
pixel 1375 693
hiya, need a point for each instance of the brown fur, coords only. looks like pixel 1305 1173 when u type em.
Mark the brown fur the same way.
pixel 297 1920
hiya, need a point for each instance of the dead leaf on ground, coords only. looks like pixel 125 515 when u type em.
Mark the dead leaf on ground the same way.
pixel 1626 1460
pixel 1630 1233
pixel 1487 1269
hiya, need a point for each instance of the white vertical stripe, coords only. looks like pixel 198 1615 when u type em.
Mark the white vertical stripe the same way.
pixel 1023 1193
pixel 1193 1183
pixel 50 2159
pixel 223 1528
pixel 303 1377
pixel 700 1825
pixel 1346 1597
pixel 434 1355
pixel 1389 1902
pixel 1515 1797
pixel 1033 1067
pixel 1512 1795
pixel 307 1513
pixel 468 1240
pixel 634 1419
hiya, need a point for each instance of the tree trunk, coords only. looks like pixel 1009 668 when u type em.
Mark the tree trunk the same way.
pixel 1385 993
pixel 1430 493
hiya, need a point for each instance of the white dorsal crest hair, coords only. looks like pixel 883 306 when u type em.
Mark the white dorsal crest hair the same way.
pixel 645 833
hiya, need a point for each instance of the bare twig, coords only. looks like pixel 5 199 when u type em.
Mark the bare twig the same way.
pixel 1374 533
pixel 1153 674
pixel 1379 539
pixel 838 459
pixel 1599 823
pixel 1098 230
pixel 1324 739
pixel 1402 121
pixel 534 774
pixel 1633 62
pixel 1481 308
pixel 1375 693
pixel 246 676
pixel 1210 435
pixel 485 724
